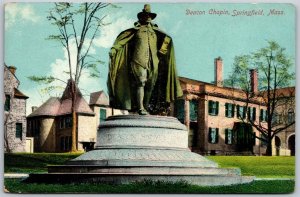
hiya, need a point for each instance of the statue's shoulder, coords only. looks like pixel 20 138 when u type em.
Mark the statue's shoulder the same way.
pixel 127 32
pixel 161 32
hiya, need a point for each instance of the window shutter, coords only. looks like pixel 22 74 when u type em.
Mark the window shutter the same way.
pixel 209 135
pixel 254 114
pixel 227 109
pixel 102 115
pixel 233 109
pixel 244 111
pixel 238 111
pixel 217 135
pixel 226 136
pixel 249 113
pixel 217 108
pixel 209 107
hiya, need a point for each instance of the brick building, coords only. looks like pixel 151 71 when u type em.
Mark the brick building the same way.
pixel 14 113
pixel 51 124
pixel 284 142
pixel 99 103
pixel 216 116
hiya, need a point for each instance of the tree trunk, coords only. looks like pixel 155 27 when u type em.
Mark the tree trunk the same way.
pixel 269 148
pixel 74 118
pixel 74 133
pixel 74 136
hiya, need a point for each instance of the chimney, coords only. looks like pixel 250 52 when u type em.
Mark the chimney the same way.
pixel 12 69
pixel 254 80
pixel 218 72
pixel 33 108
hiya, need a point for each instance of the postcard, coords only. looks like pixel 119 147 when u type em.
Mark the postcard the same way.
pixel 164 98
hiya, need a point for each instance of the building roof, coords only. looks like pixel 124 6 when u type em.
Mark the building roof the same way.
pixel 7 68
pixel 80 107
pixel 213 88
pixel 49 108
pixel 19 94
pixel 200 87
pixel 99 98
pixel 62 106
pixel 283 92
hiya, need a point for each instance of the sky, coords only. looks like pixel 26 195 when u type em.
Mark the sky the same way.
pixel 198 38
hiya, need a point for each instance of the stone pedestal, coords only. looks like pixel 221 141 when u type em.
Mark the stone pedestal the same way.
pixel 134 148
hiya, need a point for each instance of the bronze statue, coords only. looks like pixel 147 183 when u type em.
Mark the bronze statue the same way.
pixel 142 72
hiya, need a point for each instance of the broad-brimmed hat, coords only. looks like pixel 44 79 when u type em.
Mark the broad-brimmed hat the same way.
pixel 146 10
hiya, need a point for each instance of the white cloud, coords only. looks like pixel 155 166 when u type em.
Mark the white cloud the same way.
pixel 61 66
pixel 58 70
pixel 15 12
pixel 109 33
pixel 28 13
pixel 177 26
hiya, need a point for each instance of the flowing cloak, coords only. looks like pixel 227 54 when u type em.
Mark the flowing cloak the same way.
pixel 120 82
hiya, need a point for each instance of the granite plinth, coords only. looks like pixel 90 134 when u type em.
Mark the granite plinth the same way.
pixel 132 148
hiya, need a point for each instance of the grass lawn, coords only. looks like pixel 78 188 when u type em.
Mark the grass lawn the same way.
pixel 36 162
pixel 256 187
pixel 263 167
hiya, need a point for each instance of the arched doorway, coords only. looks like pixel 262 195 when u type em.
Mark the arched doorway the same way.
pixel 277 145
pixel 291 144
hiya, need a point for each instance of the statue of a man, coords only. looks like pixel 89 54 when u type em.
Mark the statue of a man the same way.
pixel 142 70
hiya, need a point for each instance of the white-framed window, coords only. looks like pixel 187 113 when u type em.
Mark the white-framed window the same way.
pixel 241 111
pixel 213 135
pixel 263 117
pixel 229 110
pixel 229 136
pixel 252 113
pixel 213 108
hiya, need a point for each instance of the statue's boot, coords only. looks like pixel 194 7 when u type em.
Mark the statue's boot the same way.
pixel 147 96
pixel 140 98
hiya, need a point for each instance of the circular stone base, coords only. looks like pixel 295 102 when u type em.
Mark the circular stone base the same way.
pixel 133 148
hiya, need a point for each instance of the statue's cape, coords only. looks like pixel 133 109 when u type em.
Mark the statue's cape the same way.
pixel 121 82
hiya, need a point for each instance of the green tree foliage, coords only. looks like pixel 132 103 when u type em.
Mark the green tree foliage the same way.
pixel 275 72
